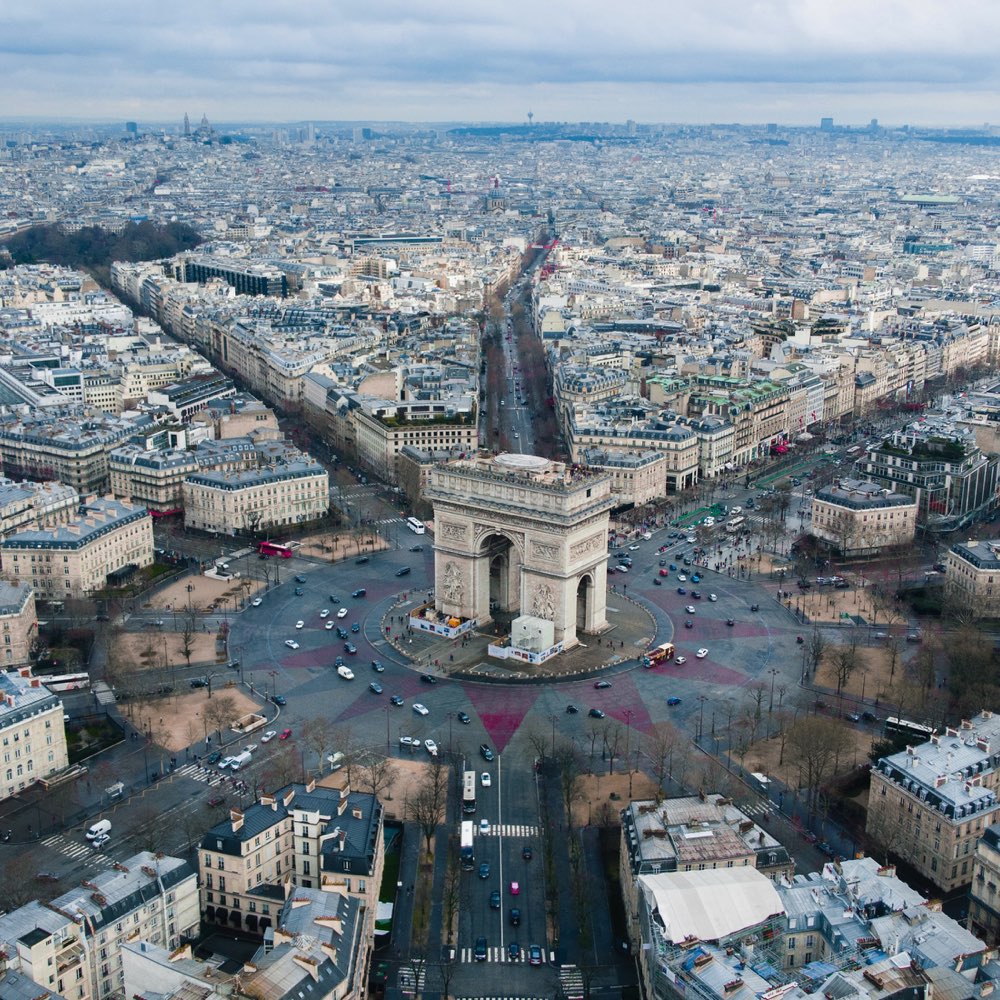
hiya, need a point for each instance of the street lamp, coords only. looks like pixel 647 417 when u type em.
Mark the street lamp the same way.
pixel 774 673
pixel 552 719
pixel 701 713
pixel 628 728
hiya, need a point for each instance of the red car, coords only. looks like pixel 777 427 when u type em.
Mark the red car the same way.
pixel 286 734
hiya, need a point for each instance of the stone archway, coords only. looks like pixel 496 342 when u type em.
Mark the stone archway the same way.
pixel 521 533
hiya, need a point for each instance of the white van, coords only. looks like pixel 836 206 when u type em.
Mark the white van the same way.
pixel 101 828
pixel 240 759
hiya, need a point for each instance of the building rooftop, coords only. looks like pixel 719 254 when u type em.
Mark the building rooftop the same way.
pixel 97 517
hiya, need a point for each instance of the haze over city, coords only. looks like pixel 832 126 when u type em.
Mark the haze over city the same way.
pixel 921 63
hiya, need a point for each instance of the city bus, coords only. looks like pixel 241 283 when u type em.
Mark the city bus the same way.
pixel 912 730
pixel 469 792
pixel 735 523
pixel 416 525
pixel 66 682
pixel 661 654
pixel 274 549
pixel 468 848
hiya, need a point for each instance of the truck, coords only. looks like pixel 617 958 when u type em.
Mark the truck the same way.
pixel 240 759
pixel 100 829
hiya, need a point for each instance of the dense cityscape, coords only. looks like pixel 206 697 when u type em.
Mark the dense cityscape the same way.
pixel 476 560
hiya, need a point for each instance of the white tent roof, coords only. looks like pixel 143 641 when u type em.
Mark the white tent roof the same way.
pixel 711 904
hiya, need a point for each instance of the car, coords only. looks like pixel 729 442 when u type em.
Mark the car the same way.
pixel 463 717
pixel 809 837
pixel 198 682
pixel 428 678
pixel 360 592
pixel 300 624
pixel 534 954
pixel 602 685
pixel 215 800
pixel 286 734
pixel 686 560
pixel 673 701
pixel 695 578
pixel 696 594
pixel 484 826
pixel 256 602
pixel 682 578
pixel 397 699
pixel 688 623
pixel 826 848
pixel 355 627
pixel 378 666
pixel 526 852
pixel 515 888
pixel 486 779
pixel 214 758
pixel 755 607
pixel 690 609
pixel 99 841
pixel 375 687
pixel 299 591
pixel 730 621
pixel 361 561
pixel 328 626
pixel 249 748
pixel 869 716
pixel 484 870
pixel 226 762
pixel 713 598
pixel 596 713
pixel 342 613
pixel 672 567
pixel 325 613
pixel 486 752
pixel 680 660
pixel 420 709
pixel 657 581
pixel 268 736
pixel 291 644
pixel 663 562
pixel 702 653
pixel 300 579
pixel 431 747
pixel 342 632
pixel 350 648
pixel 480 950
pixel 514 949
pixel 681 590
pixel 852 716
pixel 409 741
pixel 403 571
pixel 279 699
pixel 623 568
pixel 416 548
pixel 346 673
pixel 632 548
pixel 339 661
pixel 571 710
pixel 494 897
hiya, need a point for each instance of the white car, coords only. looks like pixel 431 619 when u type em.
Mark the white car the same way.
pixel 300 624
pixel 346 673
pixel 736 510
pixel 708 522
pixel 420 709
pixel 225 762
pixel 268 736
pixel 432 747
pixel 408 741
pixel 291 644
pixel 250 747
pixel 712 597
pixel 325 613
pixel 690 539
pixel 342 613
pixel 486 779
pixel 682 578
pixel 328 626
pixel 680 659
pixel 100 840
pixel 484 826
pixel 256 602
pixel 702 653
pixel 633 548
pixel 690 609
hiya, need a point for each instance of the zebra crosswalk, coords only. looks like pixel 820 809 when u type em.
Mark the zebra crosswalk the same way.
pixel 512 830
pixel 759 809
pixel 494 954
pixel 571 981
pixel 209 775
pixel 75 850
pixel 411 980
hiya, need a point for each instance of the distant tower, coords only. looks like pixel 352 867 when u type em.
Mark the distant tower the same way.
pixel 187 124
pixel 531 116
pixel 826 124
pixel 132 128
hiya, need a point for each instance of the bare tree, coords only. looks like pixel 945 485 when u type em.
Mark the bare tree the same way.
pixel 378 772
pixel 816 744
pixel 427 807
pixel 845 660
pixel 816 650
pixel 612 736
pixel 662 745
pixel 570 778
pixel 187 639
pixel 220 712
pixel 318 735
pixel 18 885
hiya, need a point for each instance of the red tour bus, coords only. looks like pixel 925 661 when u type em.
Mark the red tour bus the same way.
pixel 274 549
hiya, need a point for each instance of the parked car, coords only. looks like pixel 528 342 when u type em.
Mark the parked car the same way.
pixel 268 736
pixel 286 734
pixel 596 713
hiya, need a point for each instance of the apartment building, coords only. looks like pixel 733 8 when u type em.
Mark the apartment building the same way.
pixel 293 491
pixel 308 834
pixel 972 577
pixel 318 949
pixel 931 803
pixel 18 622
pixel 32 735
pixel 74 944
pixel 107 542
pixel 637 477
pixel 859 518
pixel 189 396
pixel 984 896
pixel 30 504
pixel 692 833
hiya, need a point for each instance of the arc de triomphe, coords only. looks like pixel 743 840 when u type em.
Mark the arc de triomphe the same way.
pixel 519 532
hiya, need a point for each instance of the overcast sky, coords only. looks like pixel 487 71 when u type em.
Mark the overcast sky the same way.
pixel 790 61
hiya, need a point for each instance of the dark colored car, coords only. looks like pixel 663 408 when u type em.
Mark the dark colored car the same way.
pixel 730 621
pixel 495 899
pixel 279 699
pixel 428 678
pixel 696 594
pixel 361 561
pixel 377 666
pixel 484 870
pixel 349 647
pixel 526 852
pixel 657 581
pixel 571 710
pixel 215 800
pixel 198 682
pixel 360 592
pixel 514 951
pixel 375 687
pixel 601 685
pixel 397 699
pixel 485 751
pixel 596 713
pixel 402 571
pixel 480 952
pixel 300 579
pixel 688 623
pixel 515 917
pixel 299 591
pixel 534 955
pixel 416 548
pixel 214 757
pixel 681 590
pixel 355 627
pixel 463 717
pixel 673 701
